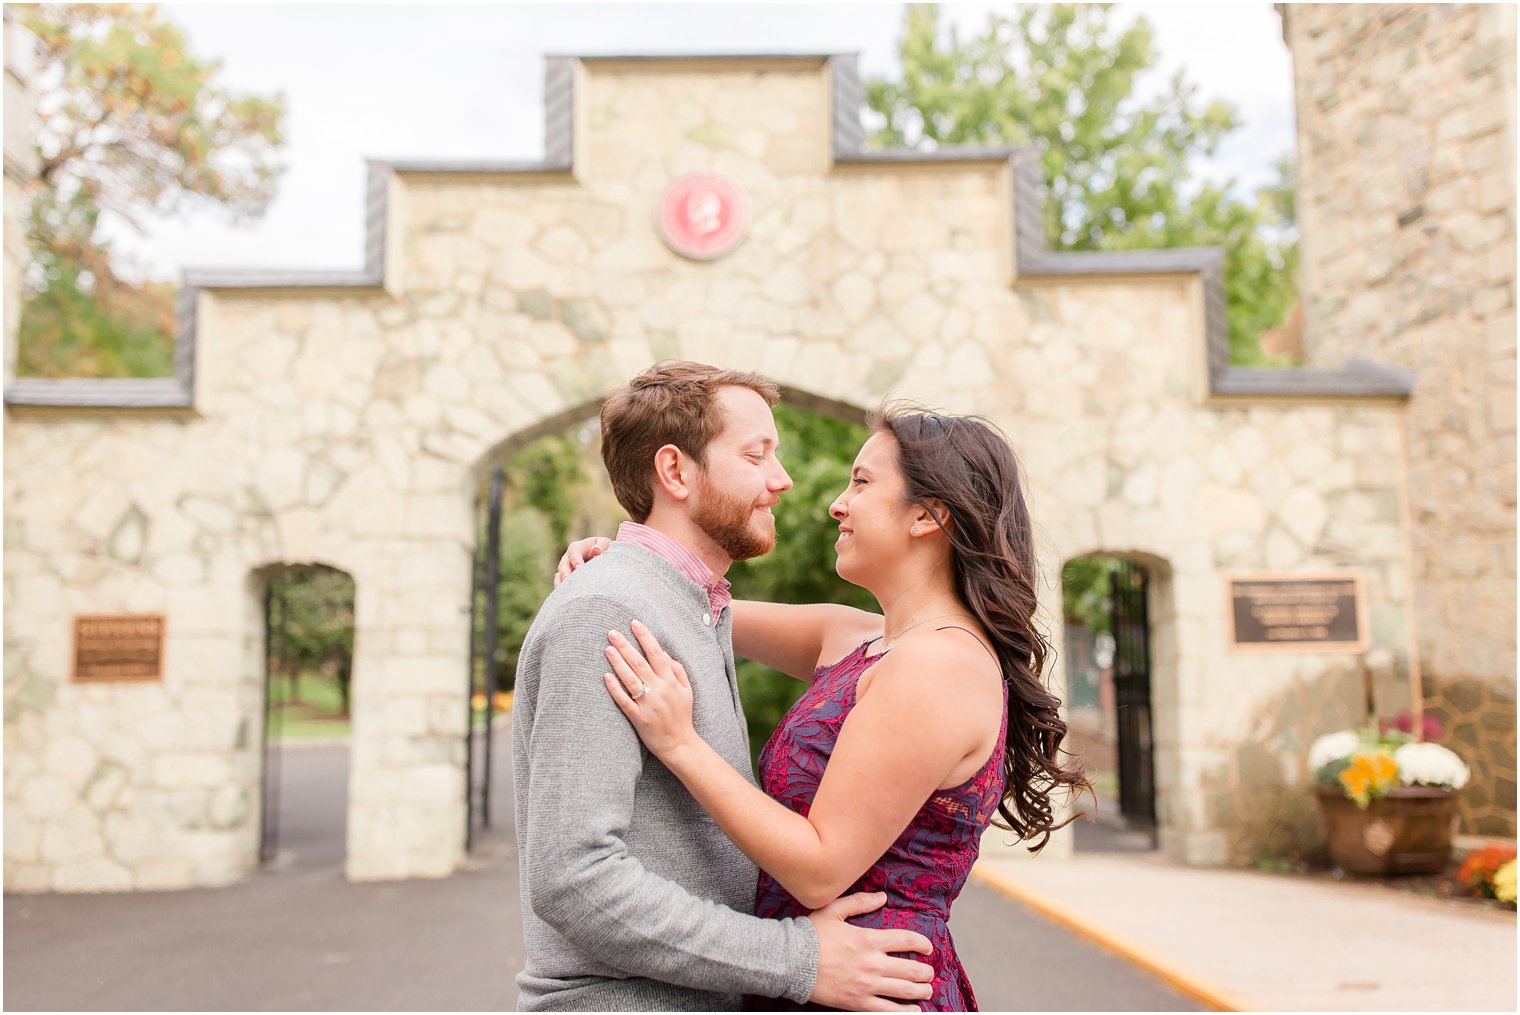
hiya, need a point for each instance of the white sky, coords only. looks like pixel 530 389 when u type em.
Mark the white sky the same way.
pixel 466 81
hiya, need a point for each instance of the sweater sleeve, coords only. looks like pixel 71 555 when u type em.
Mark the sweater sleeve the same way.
pixel 584 763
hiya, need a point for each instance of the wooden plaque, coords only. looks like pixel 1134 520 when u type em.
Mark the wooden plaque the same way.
pixel 1300 612
pixel 124 646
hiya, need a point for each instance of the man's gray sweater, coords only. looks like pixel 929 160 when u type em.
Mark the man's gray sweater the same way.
pixel 632 897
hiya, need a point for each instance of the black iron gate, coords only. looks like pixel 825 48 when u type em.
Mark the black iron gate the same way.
pixel 269 832
pixel 1132 691
pixel 485 621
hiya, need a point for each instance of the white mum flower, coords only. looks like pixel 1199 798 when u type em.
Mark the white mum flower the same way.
pixel 1427 764
pixel 1333 747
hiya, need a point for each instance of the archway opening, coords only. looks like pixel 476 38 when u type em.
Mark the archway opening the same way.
pixel 532 496
pixel 308 627
pixel 1110 659
pixel 547 486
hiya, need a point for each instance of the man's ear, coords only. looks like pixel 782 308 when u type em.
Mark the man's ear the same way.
pixel 672 472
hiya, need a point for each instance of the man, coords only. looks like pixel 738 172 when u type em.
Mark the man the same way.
pixel 632 898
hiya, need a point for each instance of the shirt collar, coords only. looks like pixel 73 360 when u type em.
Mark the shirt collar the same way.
pixel 682 559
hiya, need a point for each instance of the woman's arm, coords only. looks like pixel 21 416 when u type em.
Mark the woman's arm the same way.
pixel 925 713
pixel 796 639
pixel 792 639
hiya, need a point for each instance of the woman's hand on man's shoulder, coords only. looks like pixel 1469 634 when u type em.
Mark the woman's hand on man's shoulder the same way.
pixel 577 553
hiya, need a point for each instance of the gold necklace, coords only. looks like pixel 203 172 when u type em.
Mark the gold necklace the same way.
pixel 900 634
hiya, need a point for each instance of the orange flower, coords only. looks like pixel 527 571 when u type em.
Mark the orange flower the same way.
pixel 1480 869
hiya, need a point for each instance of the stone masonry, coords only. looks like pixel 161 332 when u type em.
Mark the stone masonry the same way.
pixel 1406 197
pixel 350 424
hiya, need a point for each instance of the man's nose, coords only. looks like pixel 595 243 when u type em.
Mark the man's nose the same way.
pixel 781 482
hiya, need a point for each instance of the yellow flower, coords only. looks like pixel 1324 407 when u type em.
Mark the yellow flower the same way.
pixel 1370 775
pixel 1504 883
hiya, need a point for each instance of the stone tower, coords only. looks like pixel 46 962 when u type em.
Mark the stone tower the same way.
pixel 1406 199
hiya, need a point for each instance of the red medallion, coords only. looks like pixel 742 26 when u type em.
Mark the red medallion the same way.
pixel 702 216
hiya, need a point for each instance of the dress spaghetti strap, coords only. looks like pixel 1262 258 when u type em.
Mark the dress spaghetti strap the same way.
pixel 983 644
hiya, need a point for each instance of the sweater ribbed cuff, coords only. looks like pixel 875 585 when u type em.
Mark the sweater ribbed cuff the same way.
pixel 802 960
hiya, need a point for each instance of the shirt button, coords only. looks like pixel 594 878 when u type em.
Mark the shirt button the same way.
pixel 707 619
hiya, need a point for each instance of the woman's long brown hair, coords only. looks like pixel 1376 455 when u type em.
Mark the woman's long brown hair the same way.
pixel 967 466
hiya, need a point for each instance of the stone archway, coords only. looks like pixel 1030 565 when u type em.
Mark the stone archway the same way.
pixel 503 456
pixel 344 416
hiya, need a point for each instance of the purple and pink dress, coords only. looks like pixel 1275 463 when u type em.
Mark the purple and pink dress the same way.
pixel 925 868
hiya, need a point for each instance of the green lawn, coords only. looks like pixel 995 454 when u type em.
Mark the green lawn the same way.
pixel 1105 784
pixel 316 715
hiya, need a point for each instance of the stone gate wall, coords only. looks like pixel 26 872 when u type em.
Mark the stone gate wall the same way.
pixel 1406 197
pixel 347 419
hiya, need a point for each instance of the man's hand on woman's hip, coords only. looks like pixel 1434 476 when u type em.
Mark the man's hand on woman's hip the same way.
pixel 856 968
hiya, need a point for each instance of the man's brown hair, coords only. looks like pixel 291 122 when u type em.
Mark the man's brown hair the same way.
pixel 670 403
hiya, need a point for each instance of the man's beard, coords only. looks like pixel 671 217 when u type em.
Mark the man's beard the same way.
pixel 726 521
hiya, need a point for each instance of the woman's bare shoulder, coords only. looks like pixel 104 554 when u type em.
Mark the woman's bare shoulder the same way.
pixel 846 629
pixel 948 666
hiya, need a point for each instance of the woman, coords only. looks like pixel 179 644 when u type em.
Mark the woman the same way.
pixel 919 725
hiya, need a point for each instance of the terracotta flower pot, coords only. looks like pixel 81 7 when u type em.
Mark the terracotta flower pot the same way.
pixel 1405 831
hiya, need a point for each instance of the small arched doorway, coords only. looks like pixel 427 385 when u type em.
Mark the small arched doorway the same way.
pixel 308 629
pixel 1109 667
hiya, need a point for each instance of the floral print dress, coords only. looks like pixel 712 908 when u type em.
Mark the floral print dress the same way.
pixel 925 868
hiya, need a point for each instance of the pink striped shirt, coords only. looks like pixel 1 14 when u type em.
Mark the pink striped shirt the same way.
pixel 681 557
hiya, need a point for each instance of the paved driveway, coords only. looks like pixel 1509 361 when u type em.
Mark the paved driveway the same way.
pixel 296 936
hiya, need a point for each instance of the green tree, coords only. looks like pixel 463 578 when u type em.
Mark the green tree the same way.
pixel 314 626
pixel 85 322
pixel 129 124
pixel 547 476
pixel 817 452
pixel 547 496
pixel 1085 592
pixel 529 550
pixel 1117 167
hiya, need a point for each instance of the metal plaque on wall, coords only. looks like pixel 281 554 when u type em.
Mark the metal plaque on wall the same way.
pixel 124 646
pixel 1301 612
